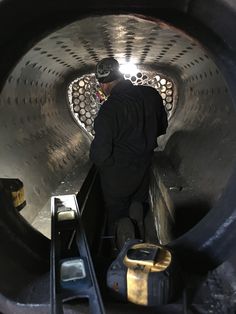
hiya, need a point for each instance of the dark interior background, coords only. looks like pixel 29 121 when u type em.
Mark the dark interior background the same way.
pixel 44 45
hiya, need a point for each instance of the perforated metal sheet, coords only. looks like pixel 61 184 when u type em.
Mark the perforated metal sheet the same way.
pixel 85 97
pixel 128 38
pixel 39 140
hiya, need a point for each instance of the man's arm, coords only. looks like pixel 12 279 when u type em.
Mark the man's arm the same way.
pixel 102 145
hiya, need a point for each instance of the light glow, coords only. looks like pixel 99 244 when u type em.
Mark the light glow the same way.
pixel 128 68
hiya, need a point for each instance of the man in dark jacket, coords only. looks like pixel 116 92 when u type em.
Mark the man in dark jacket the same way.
pixel 126 131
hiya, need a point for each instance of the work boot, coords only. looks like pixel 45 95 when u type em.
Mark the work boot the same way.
pixel 136 213
pixel 124 231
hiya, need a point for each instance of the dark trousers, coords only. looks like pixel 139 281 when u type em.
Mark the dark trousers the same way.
pixel 123 184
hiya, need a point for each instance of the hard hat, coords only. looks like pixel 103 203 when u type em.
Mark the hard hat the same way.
pixel 107 70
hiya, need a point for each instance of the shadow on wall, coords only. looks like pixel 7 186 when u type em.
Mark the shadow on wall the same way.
pixel 176 205
pixel 189 213
pixel 204 157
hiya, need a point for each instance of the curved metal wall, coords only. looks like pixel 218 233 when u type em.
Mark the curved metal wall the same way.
pixel 40 142
pixel 42 50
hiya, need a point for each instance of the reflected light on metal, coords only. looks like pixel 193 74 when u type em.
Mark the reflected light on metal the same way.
pixel 128 68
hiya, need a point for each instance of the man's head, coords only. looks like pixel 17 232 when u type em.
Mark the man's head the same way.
pixel 107 73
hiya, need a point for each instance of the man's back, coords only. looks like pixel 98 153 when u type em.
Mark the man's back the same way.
pixel 134 116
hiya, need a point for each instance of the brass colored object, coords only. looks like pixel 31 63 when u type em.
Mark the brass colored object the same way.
pixel 137 286
pixel 142 259
pixel 18 197
pixel 160 258
pixel 144 274
pixel 15 188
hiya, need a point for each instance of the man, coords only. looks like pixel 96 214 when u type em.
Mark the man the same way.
pixel 126 131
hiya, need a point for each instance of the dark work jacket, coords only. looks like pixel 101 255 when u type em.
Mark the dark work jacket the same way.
pixel 127 125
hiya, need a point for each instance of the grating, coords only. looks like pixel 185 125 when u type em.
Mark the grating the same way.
pixel 85 97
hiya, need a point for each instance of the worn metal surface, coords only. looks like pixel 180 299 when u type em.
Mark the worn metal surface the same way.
pixel 40 142
pixel 71 183
pixel 47 143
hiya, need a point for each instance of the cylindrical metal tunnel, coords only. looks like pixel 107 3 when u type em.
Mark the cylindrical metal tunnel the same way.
pixel 45 45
